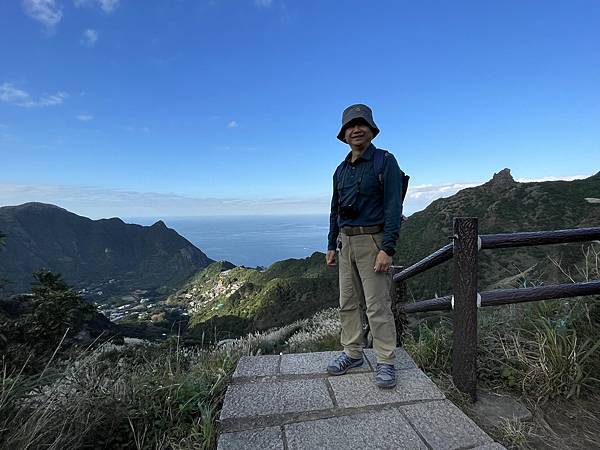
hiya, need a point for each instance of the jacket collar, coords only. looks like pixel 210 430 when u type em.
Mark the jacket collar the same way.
pixel 366 155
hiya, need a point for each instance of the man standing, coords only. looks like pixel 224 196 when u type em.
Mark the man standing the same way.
pixel 366 209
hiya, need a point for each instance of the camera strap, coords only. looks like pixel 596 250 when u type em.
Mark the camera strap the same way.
pixel 340 182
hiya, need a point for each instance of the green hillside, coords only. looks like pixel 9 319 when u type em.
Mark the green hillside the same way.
pixel 235 300
pixel 502 206
pixel 107 255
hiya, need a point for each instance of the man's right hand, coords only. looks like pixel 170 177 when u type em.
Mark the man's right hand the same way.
pixel 330 258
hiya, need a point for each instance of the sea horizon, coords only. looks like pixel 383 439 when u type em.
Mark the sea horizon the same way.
pixel 250 240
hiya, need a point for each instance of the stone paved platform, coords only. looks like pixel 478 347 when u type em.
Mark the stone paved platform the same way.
pixel 290 402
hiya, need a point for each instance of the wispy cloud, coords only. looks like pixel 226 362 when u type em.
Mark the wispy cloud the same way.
pixel 85 117
pixel 233 124
pixel 98 202
pixel 107 6
pixel 13 95
pixel 89 37
pixel 44 11
pixel 101 202
pixel 551 178
pixel 263 3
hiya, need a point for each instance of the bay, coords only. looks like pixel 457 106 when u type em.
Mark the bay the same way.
pixel 251 240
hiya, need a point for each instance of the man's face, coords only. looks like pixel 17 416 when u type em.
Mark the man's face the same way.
pixel 358 133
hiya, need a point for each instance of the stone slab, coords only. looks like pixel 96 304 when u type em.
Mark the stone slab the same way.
pixel 275 397
pixel 359 390
pixel 313 363
pixel 257 366
pixel 385 429
pixel 444 426
pixel 269 438
pixel 403 359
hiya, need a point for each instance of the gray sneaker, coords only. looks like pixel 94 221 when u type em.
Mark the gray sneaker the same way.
pixel 341 364
pixel 385 377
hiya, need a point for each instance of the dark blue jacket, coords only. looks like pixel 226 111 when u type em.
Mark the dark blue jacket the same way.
pixel 376 206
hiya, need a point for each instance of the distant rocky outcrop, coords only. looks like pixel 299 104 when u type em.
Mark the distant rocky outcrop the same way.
pixel 500 182
pixel 88 252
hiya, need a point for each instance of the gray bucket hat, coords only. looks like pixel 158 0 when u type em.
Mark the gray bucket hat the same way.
pixel 358 111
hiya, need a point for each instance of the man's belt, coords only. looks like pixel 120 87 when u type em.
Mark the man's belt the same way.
pixel 353 231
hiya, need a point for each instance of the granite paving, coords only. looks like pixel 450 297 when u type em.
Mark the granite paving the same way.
pixel 255 366
pixel 313 363
pixel 444 426
pixel 358 390
pixel 290 402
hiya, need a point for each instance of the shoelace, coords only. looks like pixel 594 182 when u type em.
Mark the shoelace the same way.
pixel 343 361
pixel 385 369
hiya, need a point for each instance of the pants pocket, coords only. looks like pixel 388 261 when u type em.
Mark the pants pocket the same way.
pixel 377 244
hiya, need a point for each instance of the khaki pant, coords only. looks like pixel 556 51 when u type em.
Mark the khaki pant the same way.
pixel 362 288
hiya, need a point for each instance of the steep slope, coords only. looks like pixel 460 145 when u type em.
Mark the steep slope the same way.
pixel 93 252
pixel 235 300
pixel 502 206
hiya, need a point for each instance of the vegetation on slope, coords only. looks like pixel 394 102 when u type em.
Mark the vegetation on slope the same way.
pixel 109 254
pixel 227 301
pixel 47 323
pixel 502 206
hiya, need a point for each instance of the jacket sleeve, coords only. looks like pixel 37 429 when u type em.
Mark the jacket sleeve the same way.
pixel 392 204
pixel 333 218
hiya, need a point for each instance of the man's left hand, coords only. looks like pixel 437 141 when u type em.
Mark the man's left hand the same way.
pixel 383 262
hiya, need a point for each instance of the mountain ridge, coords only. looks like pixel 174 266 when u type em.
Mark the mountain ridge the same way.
pixel 86 251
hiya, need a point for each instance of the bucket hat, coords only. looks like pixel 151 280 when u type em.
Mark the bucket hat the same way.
pixel 358 111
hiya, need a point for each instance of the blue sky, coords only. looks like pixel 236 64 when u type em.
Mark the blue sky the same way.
pixel 183 108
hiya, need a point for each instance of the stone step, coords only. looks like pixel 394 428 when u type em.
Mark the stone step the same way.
pixel 289 401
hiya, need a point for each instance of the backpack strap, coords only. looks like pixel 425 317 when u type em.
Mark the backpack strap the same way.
pixel 379 156
pixel 378 160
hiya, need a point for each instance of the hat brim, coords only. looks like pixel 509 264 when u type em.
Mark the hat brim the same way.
pixel 341 135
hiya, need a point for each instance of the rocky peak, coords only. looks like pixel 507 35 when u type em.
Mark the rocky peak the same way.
pixel 159 225
pixel 501 181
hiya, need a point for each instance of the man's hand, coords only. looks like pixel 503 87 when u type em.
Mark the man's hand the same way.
pixel 383 262
pixel 330 258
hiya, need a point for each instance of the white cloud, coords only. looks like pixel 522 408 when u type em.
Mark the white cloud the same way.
pixel 13 95
pixel 85 117
pixel 263 3
pixel 107 6
pixel 44 11
pixel 89 37
pixel 99 202
pixel 551 178
pixel 433 191
pixel 233 124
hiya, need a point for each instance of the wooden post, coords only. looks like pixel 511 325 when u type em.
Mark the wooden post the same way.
pixel 464 347
pixel 398 294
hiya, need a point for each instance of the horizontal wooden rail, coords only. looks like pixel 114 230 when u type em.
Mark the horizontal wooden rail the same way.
pixel 503 240
pixel 442 255
pixel 529 238
pixel 433 304
pixel 508 296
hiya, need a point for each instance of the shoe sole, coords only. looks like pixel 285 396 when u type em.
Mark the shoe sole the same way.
pixel 347 369
pixel 386 386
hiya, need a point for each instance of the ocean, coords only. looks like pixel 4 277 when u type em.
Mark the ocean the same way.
pixel 251 240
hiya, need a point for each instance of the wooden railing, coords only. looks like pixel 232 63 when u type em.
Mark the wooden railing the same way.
pixel 465 300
